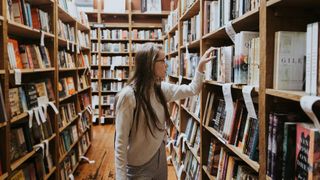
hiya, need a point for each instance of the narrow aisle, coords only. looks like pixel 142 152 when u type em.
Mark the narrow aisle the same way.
pixel 102 152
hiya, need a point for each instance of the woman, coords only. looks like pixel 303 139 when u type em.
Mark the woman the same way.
pixel 142 113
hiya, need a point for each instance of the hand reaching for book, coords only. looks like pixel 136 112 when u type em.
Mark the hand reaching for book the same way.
pixel 205 59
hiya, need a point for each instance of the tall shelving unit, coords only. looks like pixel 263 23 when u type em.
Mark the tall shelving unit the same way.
pixel 131 19
pixel 271 16
pixel 26 34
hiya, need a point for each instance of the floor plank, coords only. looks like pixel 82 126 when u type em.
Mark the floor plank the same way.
pixel 102 151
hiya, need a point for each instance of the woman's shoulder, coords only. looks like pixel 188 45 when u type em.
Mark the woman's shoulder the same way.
pixel 126 95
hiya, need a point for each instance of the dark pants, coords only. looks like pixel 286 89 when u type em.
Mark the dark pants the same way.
pixel 155 169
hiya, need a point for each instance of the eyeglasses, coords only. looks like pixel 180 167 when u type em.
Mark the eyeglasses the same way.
pixel 164 61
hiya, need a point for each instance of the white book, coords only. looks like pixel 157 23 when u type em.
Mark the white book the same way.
pixel 112 6
pixel 314 58
pixel 308 58
pixel 289 60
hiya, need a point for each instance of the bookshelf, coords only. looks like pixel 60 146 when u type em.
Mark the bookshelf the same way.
pixel 104 26
pixel 267 18
pixel 47 77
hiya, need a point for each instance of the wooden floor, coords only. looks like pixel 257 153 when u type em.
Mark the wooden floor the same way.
pixel 102 152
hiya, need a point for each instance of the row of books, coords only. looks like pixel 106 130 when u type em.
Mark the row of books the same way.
pixel 114 47
pixel 192 133
pixel 192 104
pixel 83 60
pixel 114 60
pixel 191 30
pixel 292 147
pixel 83 39
pixel 174 42
pixel 223 165
pixel 175 118
pixel 67 114
pixel 27 56
pixel 71 8
pixel 241 131
pixel 172 21
pixel 192 166
pixel 30 96
pixel 66 87
pixel 238 63
pixel 84 100
pixel 108 99
pixel 66 31
pixel 115 74
pixel 188 64
pixel 166 47
pixel 115 34
pixel 174 66
pixel 84 82
pixel 218 13
pixel 137 46
pixel 151 6
pixel 36 168
pixel 108 112
pixel 94 86
pixel 67 138
pixel 112 86
pixel 94 33
pixel 66 59
pixel 21 12
pixel 146 34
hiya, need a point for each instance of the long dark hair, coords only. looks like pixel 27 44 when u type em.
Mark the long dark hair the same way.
pixel 143 81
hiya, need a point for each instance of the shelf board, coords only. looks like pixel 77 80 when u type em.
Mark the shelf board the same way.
pixel 71 121
pixel 109 92
pixel 191 114
pixel 115 53
pixel 20 161
pixel 52 170
pixel 3 124
pixel 19 117
pixel 192 11
pixel 146 26
pixel 2 72
pixel 115 25
pixel 64 42
pixel 193 151
pixel 120 66
pixel 174 53
pixel 94 52
pixel 29 71
pixel 234 86
pixel 139 13
pixel 83 48
pixel 65 154
pixel 192 45
pixel 1 18
pixel 67 97
pixel 114 79
pixel 65 16
pixel 174 28
pixel 4 176
pixel 94 39
pixel 114 40
pixel 84 89
pixel 82 27
pixel 174 76
pixel 205 169
pixel 290 95
pixel 67 69
pixel 174 124
pixel 248 21
pixel 22 30
pixel 126 13
pixel 147 40
pixel 82 68
pixel 293 3
pixel 254 165
pixel 41 2
pixel 109 117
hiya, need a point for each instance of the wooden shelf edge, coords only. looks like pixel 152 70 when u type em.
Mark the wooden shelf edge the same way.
pixel 193 44
pixel 69 123
pixel 65 154
pixel 84 89
pixel 4 176
pixel 52 170
pixel 254 165
pixel 205 169
pixel 193 151
pixel 289 95
pixel 67 97
pixel 29 71
pixel 3 124
pixel 190 11
pixel 19 117
pixel 191 114
pixel 20 161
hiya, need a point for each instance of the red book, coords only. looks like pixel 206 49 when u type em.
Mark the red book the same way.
pixel 16 53
pixel 35 18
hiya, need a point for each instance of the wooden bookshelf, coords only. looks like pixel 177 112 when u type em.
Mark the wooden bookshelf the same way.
pixel 28 35
pixel 131 19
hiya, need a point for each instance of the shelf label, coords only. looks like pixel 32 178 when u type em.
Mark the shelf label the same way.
pixel 36 114
pixel 42 116
pixel 246 91
pixel 87 159
pixel 226 88
pixel 42 39
pixel 46 143
pixel 78 49
pixel 230 31
pixel 71 177
pixel 169 158
pixel 102 120
pixel 72 47
pixel 111 106
pixel 187 52
pixel 184 140
pixel 17 76
pixel 30 113
pixel 306 103
pixel 53 107
pixel 38 146
pixel 182 135
pixel 112 67
pixel 180 79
